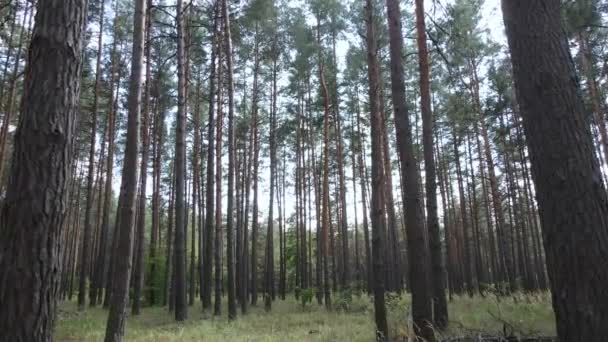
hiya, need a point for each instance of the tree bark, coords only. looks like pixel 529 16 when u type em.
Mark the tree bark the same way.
pixel 141 211
pixel 33 212
pixel 440 307
pixel 377 200
pixel 128 189
pixel 209 210
pixel 218 241
pixel 571 195
pixel 326 215
pixel 422 311
pixel 231 161
pixel 181 305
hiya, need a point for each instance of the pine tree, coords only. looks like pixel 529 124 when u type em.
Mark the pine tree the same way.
pixel 181 305
pixel 34 209
pixel 377 199
pixel 121 271
pixel 419 274
pixel 566 173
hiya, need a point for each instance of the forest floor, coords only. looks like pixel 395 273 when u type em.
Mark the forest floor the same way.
pixel 288 321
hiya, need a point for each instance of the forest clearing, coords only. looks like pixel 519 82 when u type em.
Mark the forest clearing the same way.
pixel 281 170
pixel 289 321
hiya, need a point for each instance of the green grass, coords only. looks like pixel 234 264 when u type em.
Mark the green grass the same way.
pixel 288 321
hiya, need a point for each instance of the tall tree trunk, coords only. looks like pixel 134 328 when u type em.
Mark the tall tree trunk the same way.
pixel 571 196
pixel 345 269
pixel 86 252
pixel 419 274
pixel 218 241
pixel 269 269
pixel 126 211
pixel 209 210
pixel 377 200
pixel 476 258
pixel 355 203
pixel 244 272
pixel 181 306
pixel 496 264
pixel 465 260
pixel 231 161
pixel 33 212
pixel 102 262
pixel 363 184
pixel 282 262
pixel 157 156
pixel 440 308
pixel 394 279
pixel 326 215
pixel 255 152
pixel 197 194
pixel 168 278
pixel 255 219
pixel 143 185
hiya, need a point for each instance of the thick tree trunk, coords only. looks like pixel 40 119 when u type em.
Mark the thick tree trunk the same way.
pixel 33 211
pixel 571 195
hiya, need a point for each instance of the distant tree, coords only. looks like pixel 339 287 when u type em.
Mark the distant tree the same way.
pixel 87 250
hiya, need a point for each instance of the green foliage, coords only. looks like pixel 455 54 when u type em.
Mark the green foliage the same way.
pixel 155 283
pixel 344 299
pixel 307 295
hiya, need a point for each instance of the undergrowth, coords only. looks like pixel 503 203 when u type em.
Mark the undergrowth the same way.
pixel 351 320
